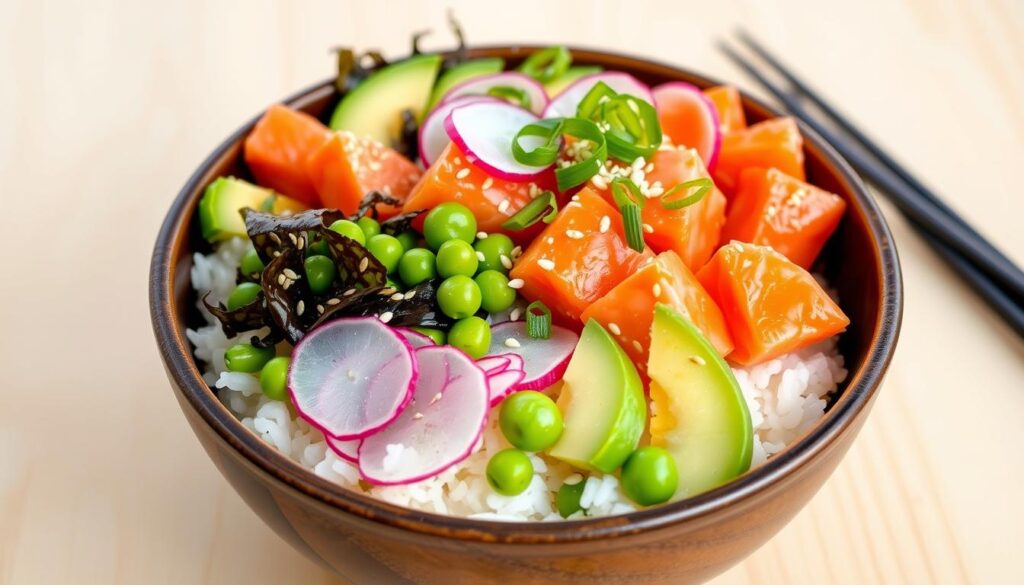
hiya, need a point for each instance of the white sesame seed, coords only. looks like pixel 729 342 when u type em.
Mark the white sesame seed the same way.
pixel 639 163
pixel 503 206
pixel 350 292
pixel 435 398
pixel 599 182
pixel 386 316
pixel 275 237
pixel 481 235
pixel 549 240
pixel 517 252
pixel 351 374
pixel 546 264
pixel 301 243
pixel 697 360
pixel 409 295
pixel 574 234
pixel 290 273
pixel 614 328
pixel 417 416
pixel 397 296
pixel 320 309
pixel 637 346
pixel 332 302
pixel 516 283
pixel 487 183
pixel 575 198
pixel 512 342
pixel 363 264
pixel 515 314
pixel 462 174
pixel 291 236
pixel 506 262
pixel 606 224
pixel 656 289
pixel 457 161
pixel 638 176
pixel 384 292
pixel 480 256
pixel 648 228
pixel 300 308
pixel 281 279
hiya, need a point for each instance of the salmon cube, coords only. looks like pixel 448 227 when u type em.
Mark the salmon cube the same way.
pixel 772 143
pixel 277 148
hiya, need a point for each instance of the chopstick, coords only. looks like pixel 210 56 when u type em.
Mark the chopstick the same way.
pixel 990 273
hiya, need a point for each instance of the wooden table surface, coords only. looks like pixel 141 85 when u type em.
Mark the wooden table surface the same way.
pixel 106 107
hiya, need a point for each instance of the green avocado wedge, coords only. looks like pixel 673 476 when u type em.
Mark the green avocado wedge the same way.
pixel 220 207
pixel 700 415
pixel 602 403
pixel 374 107
pixel 461 73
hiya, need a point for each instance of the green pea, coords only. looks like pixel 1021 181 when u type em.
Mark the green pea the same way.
pixel 349 229
pixel 472 335
pixel 251 263
pixel 243 294
pixel 245 357
pixel 456 257
pixel 320 273
pixel 568 497
pixel 495 294
pixel 387 249
pixel 416 266
pixel 449 221
pixel 274 378
pixel 649 476
pixel 530 420
pixel 369 226
pixel 435 335
pixel 458 297
pixel 318 247
pixel 493 247
pixel 409 239
pixel 509 472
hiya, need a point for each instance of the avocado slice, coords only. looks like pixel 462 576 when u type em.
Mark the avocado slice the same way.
pixel 222 201
pixel 699 413
pixel 464 72
pixel 558 84
pixel 602 403
pixel 374 108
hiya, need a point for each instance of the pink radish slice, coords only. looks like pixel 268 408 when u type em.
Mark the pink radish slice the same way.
pixel 414 338
pixel 439 428
pixel 695 117
pixel 351 377
pixel 432 137
pixel 544 360
pixel 564 106
pixel 484 132
pixel 493 364
pixel 481 85
pixel 502 384
pixel 347 450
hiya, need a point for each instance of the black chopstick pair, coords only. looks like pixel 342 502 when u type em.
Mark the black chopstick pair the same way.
pixel 988 271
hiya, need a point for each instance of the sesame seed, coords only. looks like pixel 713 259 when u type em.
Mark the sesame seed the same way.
pixel 417 416
pixel 503 206
pixel 573 479
pixel 487 184
pixel 697 360
pixel 409 295
pixel 637 346
pixel 512 342
pixel 574 204
pixel 300 308
pixel 350 292
pixel 457 161
pixel 516 283
pixel 291 236
pixel 332 302
pixel 275 237
pixel 656 289
pixel 462 174
pixel 614 328
pixel 550 240
pixel 363 264
pixel 387 291
pixel 290 273
pixel 435 398
pixel 386 316
pixel 320 309
pixel 397 296
pixel 277 253
pixel 599 182
pixel 351 374
pixel 546 264
pixel 648 228
pixel 639 163
pixel 515 314
pixel 481 235
pixel 574 234
pixel 287 284
pixel 517 252
pixel 301 243
pixel 606 224
pixel 638 176
pixel 649 168
pixel 281 279
pixel 480 256
pixel 506 262
pixel 575 198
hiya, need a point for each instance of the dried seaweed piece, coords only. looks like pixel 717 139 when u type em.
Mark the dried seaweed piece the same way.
pixel 416 307
pixel 276 233
pixel 408 138
pixel 291 306
pixel 356 265
pixel 370 201
pixel 461 53
pixel 353 69
pixel 246 318
pixel 400 223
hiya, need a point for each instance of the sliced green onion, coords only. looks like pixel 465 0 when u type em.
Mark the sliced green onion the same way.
pixel 580 172
pixel 538 320
pixel 547 64
pixel 634 228
pixel 544 154
pixel 702 186
pixel 625 191
pixel 515 95
pixel 544 208
pixel 591 103
pixel 634 130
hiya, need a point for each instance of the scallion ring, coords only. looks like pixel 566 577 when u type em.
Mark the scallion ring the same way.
pixel 544 154
pixel 511 94
pixel 625 191
pixel 544 208
pixel 591 103
pixel 538 320
pixel 580 172
pixel 699 188
pixel 547 64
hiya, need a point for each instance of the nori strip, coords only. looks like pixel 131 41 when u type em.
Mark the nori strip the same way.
pixel 400 223
pixel 289 304
pixel 274 233
pixel 247 318
pixel 370 201
pixel 419 310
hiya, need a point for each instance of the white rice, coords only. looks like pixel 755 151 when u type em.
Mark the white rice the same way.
pixel 786 396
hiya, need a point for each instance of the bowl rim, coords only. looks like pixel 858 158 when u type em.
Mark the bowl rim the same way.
pixel 175 351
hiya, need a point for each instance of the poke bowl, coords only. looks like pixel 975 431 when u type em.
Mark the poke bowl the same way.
pixel 477 358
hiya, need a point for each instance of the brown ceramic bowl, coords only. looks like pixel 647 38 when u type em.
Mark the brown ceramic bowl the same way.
pixel 369 542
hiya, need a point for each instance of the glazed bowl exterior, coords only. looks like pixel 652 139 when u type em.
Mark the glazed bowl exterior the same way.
pixel 369 542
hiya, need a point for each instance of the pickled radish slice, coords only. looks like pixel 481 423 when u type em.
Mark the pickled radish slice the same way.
pixel 544 360
pixel 564 106
pixel 347 450
pixel 484 132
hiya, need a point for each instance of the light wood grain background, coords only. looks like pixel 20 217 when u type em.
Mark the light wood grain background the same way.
pixel 106 107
